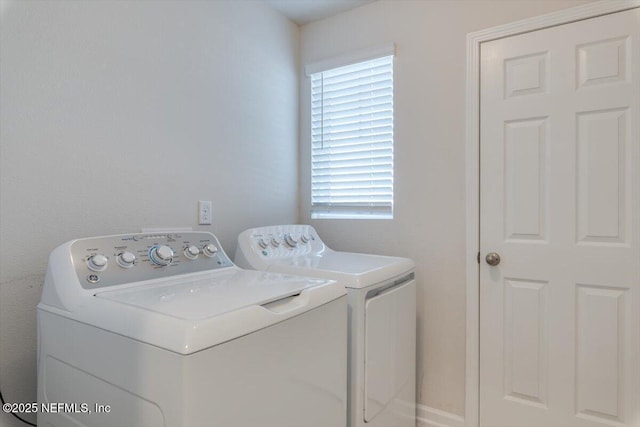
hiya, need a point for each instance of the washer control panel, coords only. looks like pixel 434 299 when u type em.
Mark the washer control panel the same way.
pixel 116 260
pixel 284 241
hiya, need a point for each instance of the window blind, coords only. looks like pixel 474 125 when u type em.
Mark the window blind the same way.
pixel 352 140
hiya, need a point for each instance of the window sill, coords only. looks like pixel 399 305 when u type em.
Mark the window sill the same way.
pixel 350 215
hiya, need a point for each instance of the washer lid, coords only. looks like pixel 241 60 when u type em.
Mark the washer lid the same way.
pixel 198 298
pixel 354 270
pixel 189 313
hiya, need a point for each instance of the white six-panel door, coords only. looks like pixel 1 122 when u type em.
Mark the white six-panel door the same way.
pixel 560 204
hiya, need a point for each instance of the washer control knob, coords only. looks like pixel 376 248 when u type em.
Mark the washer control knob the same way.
pixel 98 262
pixel 161 255
pixel 191 252
pixel 126 259
pixel 264 244
pixel 305 238
pixel 290 241
pixel 275 242
pixel 209 250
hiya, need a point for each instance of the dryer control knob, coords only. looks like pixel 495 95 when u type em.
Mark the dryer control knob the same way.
pixel 290 241
pixel 161 255
pixel 264 244
pixel 126 259
pixel 210 250
pixel 192 252
pixel 97 262
pixel 305 238
pixel 275 242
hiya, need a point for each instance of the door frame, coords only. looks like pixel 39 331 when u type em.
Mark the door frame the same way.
pixel 472 138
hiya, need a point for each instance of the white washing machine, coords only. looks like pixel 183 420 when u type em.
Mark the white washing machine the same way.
pixel 382 316
pixel 163 330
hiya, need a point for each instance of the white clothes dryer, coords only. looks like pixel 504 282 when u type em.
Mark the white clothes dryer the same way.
pixel 163 330
pixel 382 316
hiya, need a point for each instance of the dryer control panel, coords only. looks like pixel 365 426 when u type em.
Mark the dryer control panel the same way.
pixel 115 260
pixel 282 241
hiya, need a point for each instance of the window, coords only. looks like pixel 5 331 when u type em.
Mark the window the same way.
pixel 352 140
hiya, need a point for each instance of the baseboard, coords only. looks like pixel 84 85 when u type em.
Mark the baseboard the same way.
pixel 431 417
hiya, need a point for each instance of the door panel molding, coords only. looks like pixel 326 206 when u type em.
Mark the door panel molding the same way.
pixel 523 85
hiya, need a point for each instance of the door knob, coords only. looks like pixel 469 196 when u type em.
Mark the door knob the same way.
pixel 492 258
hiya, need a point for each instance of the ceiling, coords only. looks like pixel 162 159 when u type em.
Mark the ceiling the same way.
pixel 304 11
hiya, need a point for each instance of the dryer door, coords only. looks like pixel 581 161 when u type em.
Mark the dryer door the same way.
pixel 390 346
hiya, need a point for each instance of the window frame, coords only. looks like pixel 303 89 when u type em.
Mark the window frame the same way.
pixel 366 210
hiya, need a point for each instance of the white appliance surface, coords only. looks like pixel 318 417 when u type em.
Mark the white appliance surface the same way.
pixel 298 249
pixel 382 325
pixel 389 332
pixel 192 340
pixel 201 297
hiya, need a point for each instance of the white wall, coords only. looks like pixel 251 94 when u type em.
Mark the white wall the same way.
pixel 429 223
pixel 120 115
